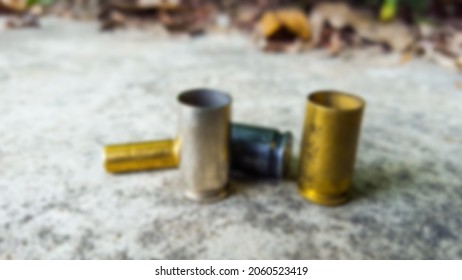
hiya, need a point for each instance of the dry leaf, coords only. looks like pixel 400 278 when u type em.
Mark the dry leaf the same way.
pixel 292 20
pixel 406 57
pixel 340 15
pixel 335 44
pixel 426 30
pixel 114 20
pixel 145 4
pixel 430 52
pixel 395 34
pixel 459 62
pixel 455 44
pixel 246 16
pixel 27 20
pixel 161 4
pixel 13 6
pixel 336 15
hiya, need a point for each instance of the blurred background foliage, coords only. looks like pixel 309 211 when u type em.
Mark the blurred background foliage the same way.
pixel 39 2
pixel 386 10
pixel 415 28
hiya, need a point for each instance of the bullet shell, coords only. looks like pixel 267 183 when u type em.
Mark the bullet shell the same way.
pixel 129 157
pixel 260 152
pixel 204 134
pixel 328 151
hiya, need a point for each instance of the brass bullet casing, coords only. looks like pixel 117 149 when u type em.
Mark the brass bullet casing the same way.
pixel 328 151
pixel 141 156
pixel 204 134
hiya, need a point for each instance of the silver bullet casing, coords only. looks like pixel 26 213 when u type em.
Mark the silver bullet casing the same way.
pixel 204 135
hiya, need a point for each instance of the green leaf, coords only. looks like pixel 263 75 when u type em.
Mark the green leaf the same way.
pixel 39 2
pixel 388 10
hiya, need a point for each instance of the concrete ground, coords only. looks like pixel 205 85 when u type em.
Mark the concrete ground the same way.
pixel 66 90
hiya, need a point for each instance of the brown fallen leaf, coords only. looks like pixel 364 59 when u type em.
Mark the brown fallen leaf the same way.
pixel 113 20
pixel 396 35
pixel 292 20
pixel 283 30
pixel 23 21
pixel 431 52
pixel 184 17
pixel 459 62
pixel 335 15
pixel 13 6
pixel 406 57
pixel 145 4
pixel 454 45
pixel 245 16
pixel 335 44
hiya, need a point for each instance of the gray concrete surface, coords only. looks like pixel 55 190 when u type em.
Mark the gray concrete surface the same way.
pixel 66 90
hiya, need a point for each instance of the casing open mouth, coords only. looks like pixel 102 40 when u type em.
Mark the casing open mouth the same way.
pixel 204 98
pixel 336 100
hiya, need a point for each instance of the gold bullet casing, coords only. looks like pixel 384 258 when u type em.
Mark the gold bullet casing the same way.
pixel 330 137
pixel 141 156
